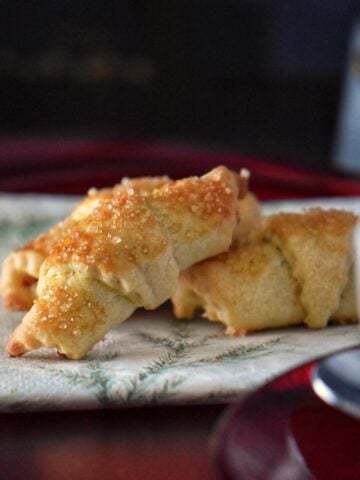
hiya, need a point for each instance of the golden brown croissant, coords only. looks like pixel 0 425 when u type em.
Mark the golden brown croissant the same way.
pixel 20 270
pixel 127 253
pixel 297 269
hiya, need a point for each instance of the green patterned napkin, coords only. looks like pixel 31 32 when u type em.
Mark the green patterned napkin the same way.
pixel 151 358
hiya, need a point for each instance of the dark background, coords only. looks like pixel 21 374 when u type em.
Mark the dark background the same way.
pixel 258 77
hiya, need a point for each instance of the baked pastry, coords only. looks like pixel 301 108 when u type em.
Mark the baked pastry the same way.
pixel 298 268
pixel 250 218
pixel 127 253
pixel 20 270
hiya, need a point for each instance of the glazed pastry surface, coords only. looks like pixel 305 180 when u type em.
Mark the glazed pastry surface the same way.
pixel 127 253
pixel 20 270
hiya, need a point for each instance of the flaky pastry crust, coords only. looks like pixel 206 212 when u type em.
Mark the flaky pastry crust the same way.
pixel 20 270
pixel 298 268
pixel 127 253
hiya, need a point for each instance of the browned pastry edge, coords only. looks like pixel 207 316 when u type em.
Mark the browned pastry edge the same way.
pixel 125 254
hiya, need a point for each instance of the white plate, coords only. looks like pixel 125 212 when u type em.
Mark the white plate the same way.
pixel 151 358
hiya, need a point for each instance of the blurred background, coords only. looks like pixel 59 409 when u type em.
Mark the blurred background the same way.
pixel 259 78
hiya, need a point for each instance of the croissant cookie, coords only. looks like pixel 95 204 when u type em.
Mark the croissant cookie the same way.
pixel 20 270
pixel 127 253
pixel 294 268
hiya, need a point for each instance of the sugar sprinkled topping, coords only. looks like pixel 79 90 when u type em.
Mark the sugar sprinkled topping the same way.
pixel 208 196
pixel 76 332
pixel 92 191
pixel 116 240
